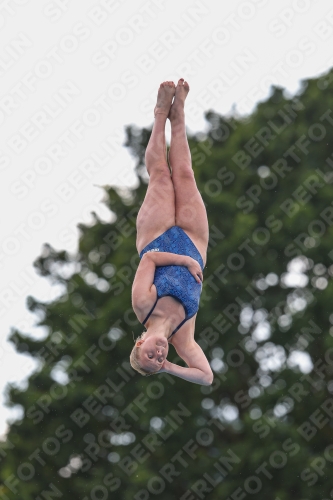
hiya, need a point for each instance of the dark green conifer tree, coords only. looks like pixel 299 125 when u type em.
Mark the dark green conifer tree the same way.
pixel 92 428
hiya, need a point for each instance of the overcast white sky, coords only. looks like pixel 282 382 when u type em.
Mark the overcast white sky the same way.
pixel 74 73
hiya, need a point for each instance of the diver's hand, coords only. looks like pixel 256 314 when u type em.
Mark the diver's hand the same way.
pixel 194 267
pixel 165 366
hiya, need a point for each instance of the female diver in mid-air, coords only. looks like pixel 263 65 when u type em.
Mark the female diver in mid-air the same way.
pixel 172 240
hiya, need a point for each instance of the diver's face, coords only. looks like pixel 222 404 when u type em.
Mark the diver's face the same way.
pixel 153 352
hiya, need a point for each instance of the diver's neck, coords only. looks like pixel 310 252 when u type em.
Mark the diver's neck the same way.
pixel 158 326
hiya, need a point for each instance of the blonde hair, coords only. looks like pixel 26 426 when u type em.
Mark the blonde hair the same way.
pixel 135 358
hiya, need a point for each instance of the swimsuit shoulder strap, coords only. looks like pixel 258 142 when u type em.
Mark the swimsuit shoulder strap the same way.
pixel 176 329
pixel 150 311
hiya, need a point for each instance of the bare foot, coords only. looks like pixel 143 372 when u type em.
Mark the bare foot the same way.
pixel 165 95
pixel 177 107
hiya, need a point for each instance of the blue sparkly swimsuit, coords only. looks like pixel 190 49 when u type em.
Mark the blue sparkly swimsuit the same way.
pixel 176 281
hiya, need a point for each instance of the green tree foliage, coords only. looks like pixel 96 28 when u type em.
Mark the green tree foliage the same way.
pixel 92 428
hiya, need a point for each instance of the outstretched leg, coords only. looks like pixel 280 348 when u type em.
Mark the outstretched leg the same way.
pixel 191 213
pixel 157 212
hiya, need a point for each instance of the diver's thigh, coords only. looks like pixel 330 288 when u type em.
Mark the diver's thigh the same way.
pixel 191 213
pixel 157 212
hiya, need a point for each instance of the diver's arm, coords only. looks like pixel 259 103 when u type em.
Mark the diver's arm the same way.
pixel 143 289
pixel 173 259
pixel 194 375
pixel 167 258
pixel 198 371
